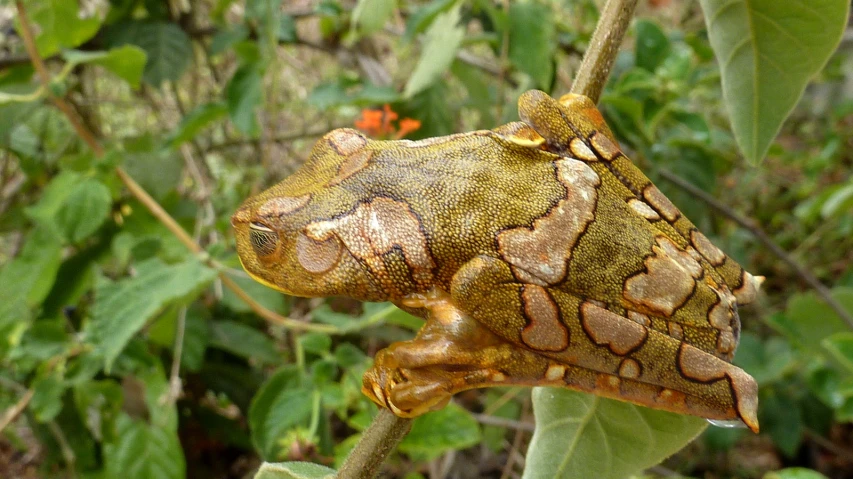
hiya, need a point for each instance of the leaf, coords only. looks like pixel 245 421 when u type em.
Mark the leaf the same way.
pixel 768 51
pixel 47 397
pixel 807 320
pixel 142 451
pixel 294 470
pixel 84 210
pixel 127 61
pixel 281 404
pixel 168 48
pixel 197 120
pixel 794 473
pixel 60 25
pixel 839 202
pixel 441 42
pixel 437 432
pixel 652 45
pixel 581 435
pixel 418 21
pixel 244 341
pixel 122 308
pixel 29 277
pixel 243 95
pixel 532 41
pixel 840 346
pixel 369 16
pixel 226 38
pixel 782 420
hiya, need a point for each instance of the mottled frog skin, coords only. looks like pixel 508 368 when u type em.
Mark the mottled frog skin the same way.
pixel 537 252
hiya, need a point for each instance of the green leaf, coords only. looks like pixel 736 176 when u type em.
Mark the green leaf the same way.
pixel 438 432
pixel 197 120
pixel 532 41
pixel 768 51
pixel 794 473
pixel 84 210
pixel 244 94
pixel 839 202
pixel 127 61
pixel 281 404
pixel 369 16
pixel 47 397
pixel 224 39
pixel 168 48
pixel 652 45
pixel 123 307
pixel 581 435
pixel 808 320
pixel 418 21
pixel 60 25
pixel 840 346
pixel 294 470
pixel 244 341
pixel 782 420
pixel 441 42
pixel 29 277
pixel 142 451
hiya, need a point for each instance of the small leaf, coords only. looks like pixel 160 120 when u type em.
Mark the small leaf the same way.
pixel 581 435
pixel 652 45
pixel 423 17
pixel 794 473
pixel 294 470
pixel 84 210
pixel 144 451
pixel 61 25
pixel 438 432
pixel 47 397
pixel 840 346
pixel 281 404
pixel 197 120
pixel 244 341
pixel 369 16
pixel 168 49
pixel 532 41
pixel 441 42
pixel 244 94
pixel 123 307
pixel 768 51
pixel 29 277
pixel 127 61
pixel 808 320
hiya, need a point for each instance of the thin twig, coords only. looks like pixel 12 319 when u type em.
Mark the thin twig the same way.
pixel 753 227
pixel 175 385
pixel 603 47
pixel 830 446
pixel 16 409
pixel 377 442
pixel 141 195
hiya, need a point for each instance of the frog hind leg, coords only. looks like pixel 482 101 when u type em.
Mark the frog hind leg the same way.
pixel 599 350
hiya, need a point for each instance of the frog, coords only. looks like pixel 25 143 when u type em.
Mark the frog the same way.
pixel 537 253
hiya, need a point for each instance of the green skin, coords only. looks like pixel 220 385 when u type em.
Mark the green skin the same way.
pixel 539 254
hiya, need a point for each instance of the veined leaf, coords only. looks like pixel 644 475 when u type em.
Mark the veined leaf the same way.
pixel 581 435
pixel 144 451
pixel 60 24
pixel 440 431
pixel 84 210
pixel 294 470
pixel 123 307
pixel 127 61
pixel 281 404
pixel 768 51
pixel 168 48
pixel 441 42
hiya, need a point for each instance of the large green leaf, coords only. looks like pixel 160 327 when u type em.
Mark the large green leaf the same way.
pixel 581 435
pixel 370 16
pixel 84 210
pixel 281 404
pixel 127 61
pixel 244 94
pixel 808 320
pixel 532 40
pixel 244 341
pixel 441 42
pixel 143 451
pixel 441 431
pixel 29 277
pixel 768 50
pixel 168 48
pixel 122 308
pixel 60 24
pixel 294 470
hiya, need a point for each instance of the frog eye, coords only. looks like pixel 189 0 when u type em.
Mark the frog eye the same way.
pixel 264 240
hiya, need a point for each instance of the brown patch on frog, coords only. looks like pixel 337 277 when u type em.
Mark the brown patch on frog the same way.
pixel 539 254
pixel 722 312
pixel 317 256
pixel 608 383
pixel 668 281
pixel 748 290
pixel 609 329
pixel 352 165
pixel 544 330
pixel 708 250
pixel 661 203
pixel 643 209
pixel 640 318
pixel 555 372
pixel 345 141
pixel 726 343
pixel 673 398
pixel 379 227
pixel 604 146
pixel 581 151
pixel 630 368
pixel 675 330
pixel 283 205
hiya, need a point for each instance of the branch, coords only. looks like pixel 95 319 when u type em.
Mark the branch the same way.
pixel 753 227
pixel 603 47
pixel 86 135
pixel 377 442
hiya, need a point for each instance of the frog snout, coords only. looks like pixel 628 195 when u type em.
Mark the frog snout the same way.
pixel 242 215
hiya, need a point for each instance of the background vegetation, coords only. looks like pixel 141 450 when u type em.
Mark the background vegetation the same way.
pixel 126 353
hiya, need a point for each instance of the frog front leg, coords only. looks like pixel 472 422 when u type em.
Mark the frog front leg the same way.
pixel 609 352
pixel 451 353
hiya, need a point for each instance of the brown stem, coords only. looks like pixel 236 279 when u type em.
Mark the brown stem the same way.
pixel 765 239
pixel 140 194
pixel 377 442
pixel 603 47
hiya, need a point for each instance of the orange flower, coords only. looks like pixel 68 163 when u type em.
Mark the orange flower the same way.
pixel 380 123
pixel 388 116
pixel 371 122
pixel 407 125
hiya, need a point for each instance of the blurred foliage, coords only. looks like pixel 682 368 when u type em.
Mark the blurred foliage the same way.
pixel 122 355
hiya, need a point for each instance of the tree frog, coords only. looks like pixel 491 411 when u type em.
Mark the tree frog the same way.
pixel 538 254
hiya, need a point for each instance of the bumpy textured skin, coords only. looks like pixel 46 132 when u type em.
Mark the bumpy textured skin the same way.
pixel 537 252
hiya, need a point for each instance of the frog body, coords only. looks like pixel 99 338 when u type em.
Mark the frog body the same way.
pixel 537 252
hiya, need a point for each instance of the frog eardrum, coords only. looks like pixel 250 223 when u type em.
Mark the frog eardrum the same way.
pixel 538 254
